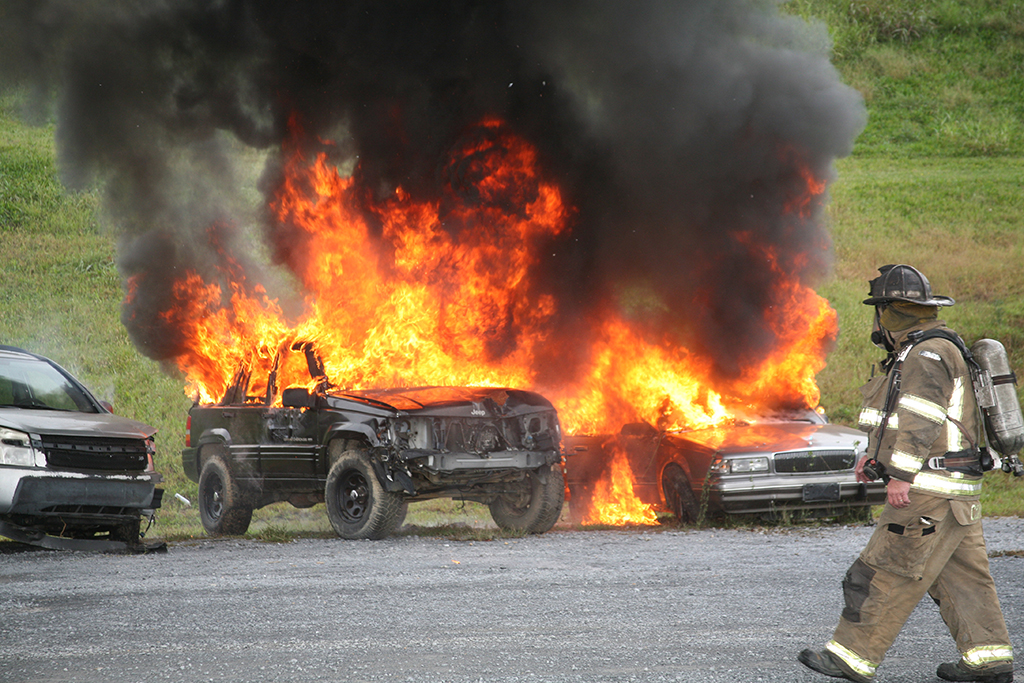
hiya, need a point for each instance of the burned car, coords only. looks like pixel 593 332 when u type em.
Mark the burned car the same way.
pixel 786 461
pixel 72 474
pixel 366 454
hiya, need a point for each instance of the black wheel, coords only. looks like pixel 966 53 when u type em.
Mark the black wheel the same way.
pixel 863 514
pixel 357 504
pixel 534 504
pixel 223 507
pixel 678 495
pixel 127 533
pixel 400 520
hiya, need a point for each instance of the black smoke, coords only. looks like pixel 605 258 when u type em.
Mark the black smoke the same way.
pixel 672 126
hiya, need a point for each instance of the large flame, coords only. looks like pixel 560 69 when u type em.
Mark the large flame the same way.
pixel 401 292
pixel 613 499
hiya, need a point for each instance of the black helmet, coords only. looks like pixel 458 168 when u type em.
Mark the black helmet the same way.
pixel 903 283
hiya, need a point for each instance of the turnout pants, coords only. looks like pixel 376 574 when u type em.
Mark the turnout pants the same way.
pixel 936 546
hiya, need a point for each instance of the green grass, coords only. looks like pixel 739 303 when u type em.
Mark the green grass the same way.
pixel 935 180
pixel 940 77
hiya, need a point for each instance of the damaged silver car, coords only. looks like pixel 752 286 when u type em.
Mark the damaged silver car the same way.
pixel 786 462
pixel 72 474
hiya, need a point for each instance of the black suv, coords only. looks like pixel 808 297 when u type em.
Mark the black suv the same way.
pixel 368 453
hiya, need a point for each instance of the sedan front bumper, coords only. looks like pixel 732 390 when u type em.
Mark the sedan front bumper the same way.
pixel 748 495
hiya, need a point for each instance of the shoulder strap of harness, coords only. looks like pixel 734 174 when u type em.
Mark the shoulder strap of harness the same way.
pixel 972 366
pixel 950 336
pixel 896 372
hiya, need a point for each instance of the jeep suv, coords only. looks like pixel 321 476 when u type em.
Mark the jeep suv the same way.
pixel 368 453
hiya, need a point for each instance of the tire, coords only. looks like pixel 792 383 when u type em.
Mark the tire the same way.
pixel 863 514
pixel 679 496
pixel 357 504
pixel 402 513
pixel 535 503
pixel 223 506
pixel 128 533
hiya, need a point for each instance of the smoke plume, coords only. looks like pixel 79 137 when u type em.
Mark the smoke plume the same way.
pixel 672 127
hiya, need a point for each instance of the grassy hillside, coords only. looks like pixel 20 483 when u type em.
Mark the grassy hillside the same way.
pixel 935 180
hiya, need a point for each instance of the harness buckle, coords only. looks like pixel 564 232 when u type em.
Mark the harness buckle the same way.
pixel 937 463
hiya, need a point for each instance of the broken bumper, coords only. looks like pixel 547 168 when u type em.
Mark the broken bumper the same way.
pixel 38 493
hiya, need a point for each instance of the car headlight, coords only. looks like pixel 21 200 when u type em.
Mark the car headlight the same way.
pixel 16 449
pixel 740 465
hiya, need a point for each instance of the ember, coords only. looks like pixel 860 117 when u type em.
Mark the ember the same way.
pixel 508 193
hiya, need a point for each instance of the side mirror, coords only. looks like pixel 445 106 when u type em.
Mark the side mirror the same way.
pixel 297 397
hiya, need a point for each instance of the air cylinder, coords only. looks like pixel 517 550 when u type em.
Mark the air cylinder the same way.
pixel 997 398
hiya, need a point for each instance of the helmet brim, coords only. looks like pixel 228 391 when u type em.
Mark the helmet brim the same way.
pixel 934 301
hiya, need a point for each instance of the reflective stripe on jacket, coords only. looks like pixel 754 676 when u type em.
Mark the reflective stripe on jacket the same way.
pixel 935 386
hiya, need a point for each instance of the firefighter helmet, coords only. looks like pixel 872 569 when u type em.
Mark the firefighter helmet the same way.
pixel 903 283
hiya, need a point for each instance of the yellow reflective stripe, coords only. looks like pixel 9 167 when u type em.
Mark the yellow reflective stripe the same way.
pixel 954 437
pixel 872 417
pixel 906 462
pixel 926 409
pixel 852 659
pixel 948 485
pixel 987 654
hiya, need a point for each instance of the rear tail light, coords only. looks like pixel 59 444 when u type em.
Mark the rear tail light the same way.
pixel 188 432
pixel 150 454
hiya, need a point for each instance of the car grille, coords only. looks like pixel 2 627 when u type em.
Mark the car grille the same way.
pixel 84 453
pixel 793 462
pixel 484 436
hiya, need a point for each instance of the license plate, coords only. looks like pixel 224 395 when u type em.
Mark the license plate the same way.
pixel 821 492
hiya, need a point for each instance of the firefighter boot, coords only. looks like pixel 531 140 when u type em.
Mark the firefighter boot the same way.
pixel 824 663
pixel 958 671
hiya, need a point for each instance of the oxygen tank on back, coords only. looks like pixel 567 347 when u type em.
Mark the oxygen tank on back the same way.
pixel 996 390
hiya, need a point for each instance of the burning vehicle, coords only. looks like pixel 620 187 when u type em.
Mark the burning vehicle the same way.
pixel 785 461
pixel 620 206
pixel 72 474
pixel 368 453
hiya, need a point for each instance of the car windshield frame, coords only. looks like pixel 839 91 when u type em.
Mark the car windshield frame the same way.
pixel 29 383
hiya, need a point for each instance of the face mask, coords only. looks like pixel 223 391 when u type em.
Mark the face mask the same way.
pixel 879 337
pixel 899 315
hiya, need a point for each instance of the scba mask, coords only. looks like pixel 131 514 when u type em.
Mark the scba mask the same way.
pixel 880 336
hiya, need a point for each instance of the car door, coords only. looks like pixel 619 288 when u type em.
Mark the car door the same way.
pixel 288 448
pixel 640 442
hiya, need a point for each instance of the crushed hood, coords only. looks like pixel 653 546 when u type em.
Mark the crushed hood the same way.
pixel 418 398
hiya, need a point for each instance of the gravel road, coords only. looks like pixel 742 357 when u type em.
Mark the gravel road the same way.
pixel 707 605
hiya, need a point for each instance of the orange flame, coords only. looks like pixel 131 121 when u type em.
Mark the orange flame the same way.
pixel 439 293
pixel 613 499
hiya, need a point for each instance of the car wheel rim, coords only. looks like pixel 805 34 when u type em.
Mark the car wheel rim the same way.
pixel 519 500
pixel 215 499
pixel 355 495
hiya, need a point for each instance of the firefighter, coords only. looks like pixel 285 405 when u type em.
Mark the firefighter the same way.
pixel 924 428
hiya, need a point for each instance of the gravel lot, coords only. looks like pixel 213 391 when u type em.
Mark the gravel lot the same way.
pixel 632 605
